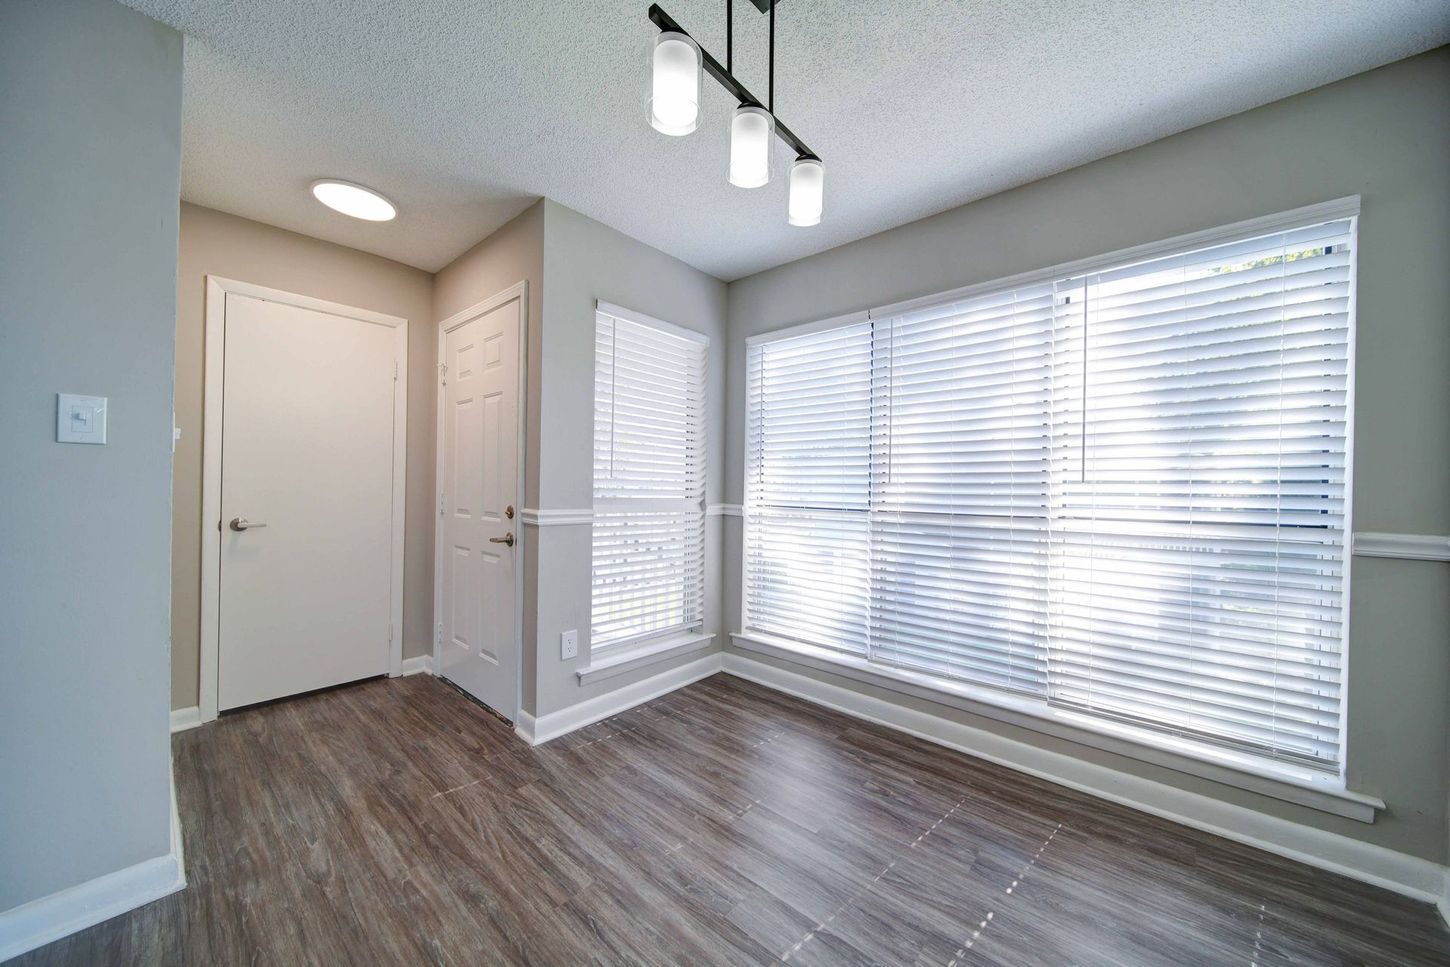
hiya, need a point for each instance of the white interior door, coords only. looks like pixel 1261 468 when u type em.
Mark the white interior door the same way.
pixel 478 524
pixel 307 500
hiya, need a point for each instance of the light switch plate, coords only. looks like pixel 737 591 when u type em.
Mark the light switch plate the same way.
pixel 80 419
pixel 568 645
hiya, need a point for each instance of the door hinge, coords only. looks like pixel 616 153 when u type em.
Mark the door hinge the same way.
pixel 440 503
pixel 438 634
pixel 395 370
pixel 390 634
pixel 443 373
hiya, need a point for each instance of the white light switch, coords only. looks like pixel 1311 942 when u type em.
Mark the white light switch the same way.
pixel 568 645
pixel 80 419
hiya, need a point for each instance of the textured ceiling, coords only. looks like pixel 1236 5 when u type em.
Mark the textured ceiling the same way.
pixel 463 111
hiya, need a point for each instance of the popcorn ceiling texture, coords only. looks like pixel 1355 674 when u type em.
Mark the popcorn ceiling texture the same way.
pixel 464 111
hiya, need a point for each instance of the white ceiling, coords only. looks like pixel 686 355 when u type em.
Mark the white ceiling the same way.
pixel 464 111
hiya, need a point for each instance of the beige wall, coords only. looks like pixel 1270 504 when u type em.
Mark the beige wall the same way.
pixel 213 243
pixel 90 168
pixel 1382 135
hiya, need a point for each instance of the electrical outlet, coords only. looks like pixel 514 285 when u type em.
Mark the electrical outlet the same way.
pixel 568 644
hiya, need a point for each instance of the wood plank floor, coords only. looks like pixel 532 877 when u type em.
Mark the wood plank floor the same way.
pixel 397 822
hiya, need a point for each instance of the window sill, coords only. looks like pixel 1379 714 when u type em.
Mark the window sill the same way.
pixel 1284 781
pixel 627 657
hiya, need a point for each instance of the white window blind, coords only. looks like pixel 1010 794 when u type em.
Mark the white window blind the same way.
pixel 960 458
pixel 1199 474
pixel 807 487
pixel 649 479
pixel 1121 493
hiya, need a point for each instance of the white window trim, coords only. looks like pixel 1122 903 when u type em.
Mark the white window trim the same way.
pixel 1302 786
pixel 1278 779
pixel 633 653
pixel 1347 207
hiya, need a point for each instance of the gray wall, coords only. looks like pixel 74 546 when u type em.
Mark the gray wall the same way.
pixel 569 261
pixel 514 253
pixel 1382 135
pixel 213 243
pixel 584 261
pixel 90 168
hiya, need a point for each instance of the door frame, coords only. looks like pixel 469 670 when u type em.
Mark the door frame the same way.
pixel 217 289
pixel 519 290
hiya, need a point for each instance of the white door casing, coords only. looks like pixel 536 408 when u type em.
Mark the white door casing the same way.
pixel 304 431
pixel 477 586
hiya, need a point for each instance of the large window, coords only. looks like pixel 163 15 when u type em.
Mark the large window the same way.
pixel 649 479
pixel 1121 493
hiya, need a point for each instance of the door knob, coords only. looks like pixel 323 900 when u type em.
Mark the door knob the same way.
pixel 506 539
pixel 241 524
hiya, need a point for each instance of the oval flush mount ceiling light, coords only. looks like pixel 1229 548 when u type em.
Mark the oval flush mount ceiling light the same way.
pixel 354 200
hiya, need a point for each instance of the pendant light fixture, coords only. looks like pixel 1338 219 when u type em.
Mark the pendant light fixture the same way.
pixel 674 104
pixel 752 130
pixel 807 191
pixel 675 110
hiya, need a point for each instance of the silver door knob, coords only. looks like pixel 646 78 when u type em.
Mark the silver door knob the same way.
pixel 506 539
pixel 241 524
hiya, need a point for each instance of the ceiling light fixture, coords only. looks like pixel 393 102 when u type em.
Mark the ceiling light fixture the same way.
pixel 752 129
pixel 675 110
pixel 674 104
pixel 354 200
pixel 807 179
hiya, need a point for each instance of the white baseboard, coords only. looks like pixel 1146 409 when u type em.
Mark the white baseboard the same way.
pixel 524 727
pixel 1444 902
pixel 61 914
pixel 1407 875
pixel 419 665
pixel 537 731
pixel 185 718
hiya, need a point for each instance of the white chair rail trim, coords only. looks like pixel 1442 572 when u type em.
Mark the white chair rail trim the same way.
pixel 1408 547
pixel 535 517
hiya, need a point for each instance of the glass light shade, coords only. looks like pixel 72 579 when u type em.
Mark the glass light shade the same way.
pixel 674 104
pixel 752 130
pixel 807 191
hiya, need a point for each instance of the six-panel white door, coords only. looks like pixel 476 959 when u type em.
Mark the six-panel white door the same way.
pixel 478 524
pixel 306 500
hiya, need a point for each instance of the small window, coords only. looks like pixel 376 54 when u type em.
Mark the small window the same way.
pixel 649 479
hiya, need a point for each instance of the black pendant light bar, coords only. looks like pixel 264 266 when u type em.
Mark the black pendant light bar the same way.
pixel 727 80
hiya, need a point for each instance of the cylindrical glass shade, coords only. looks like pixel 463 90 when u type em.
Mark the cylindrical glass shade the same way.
pixel 807 191
pixel 674 104
pixel 752 130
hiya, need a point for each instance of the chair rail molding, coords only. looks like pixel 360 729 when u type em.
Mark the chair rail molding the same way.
pixel 1407 547
pixel 565 516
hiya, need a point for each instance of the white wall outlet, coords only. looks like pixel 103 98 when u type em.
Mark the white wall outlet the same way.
pixel 80 419
pixel 568 644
